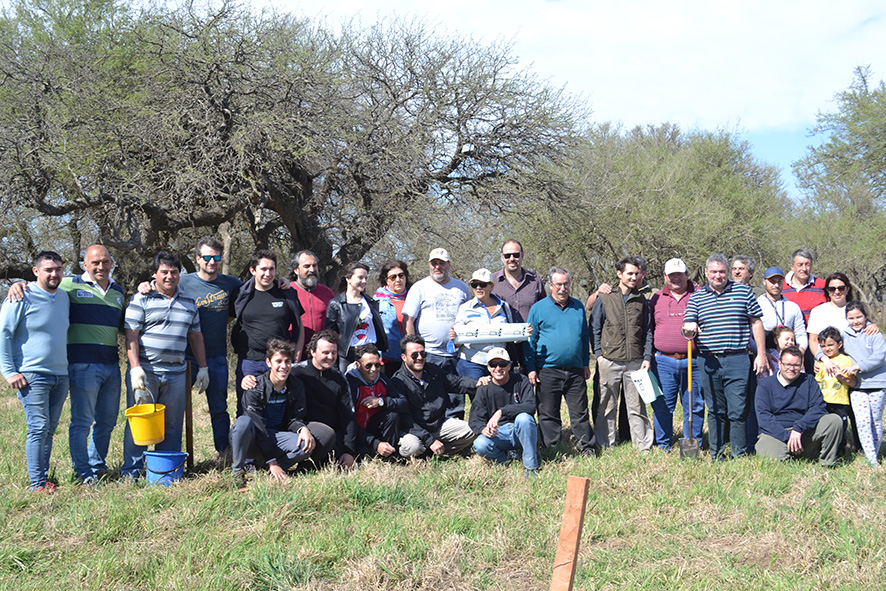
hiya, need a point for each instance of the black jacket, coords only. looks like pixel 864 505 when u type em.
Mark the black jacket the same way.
pixel 329 402
pixel 246 293
pixel 255 403
pixel 515 397
pixel 394 402
pixel 429 402
pixel 342 318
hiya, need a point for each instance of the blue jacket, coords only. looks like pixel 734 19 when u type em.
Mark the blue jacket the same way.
pixel 869 353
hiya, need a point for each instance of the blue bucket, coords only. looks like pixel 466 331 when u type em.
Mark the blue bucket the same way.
pixel 165 467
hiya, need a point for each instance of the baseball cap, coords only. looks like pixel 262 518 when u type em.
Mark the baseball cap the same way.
pixel 772 272
pixel 482 275
pixel 675 266
pixel 439 253
pixel 497 353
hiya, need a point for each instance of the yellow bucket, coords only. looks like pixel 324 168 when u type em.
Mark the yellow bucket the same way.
pixel 146 422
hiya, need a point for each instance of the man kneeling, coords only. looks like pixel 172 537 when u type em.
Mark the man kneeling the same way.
pixel 273 422
pixel 793 418
pixel 501 414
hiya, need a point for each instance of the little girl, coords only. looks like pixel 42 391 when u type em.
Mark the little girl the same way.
pixel 832 380
pixel 869 396
pixel 783 337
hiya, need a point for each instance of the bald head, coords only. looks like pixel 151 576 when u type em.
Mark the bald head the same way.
pixel 98 264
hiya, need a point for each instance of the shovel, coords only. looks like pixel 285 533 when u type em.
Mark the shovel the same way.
pixel 689 447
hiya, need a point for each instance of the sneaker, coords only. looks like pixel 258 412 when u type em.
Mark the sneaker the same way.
pixel 47 487
pixel 529 474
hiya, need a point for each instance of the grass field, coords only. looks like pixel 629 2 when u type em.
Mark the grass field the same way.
pixel 653 522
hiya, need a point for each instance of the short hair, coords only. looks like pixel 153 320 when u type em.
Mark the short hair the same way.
pixel 262 253
pixel 802 253
pixel 165 258
pixel 779 330
pixel 629 260
pixel 716 258
pixel 386 268
pixel 367 349
pixel 352 267
pixel 850 295
pixel 792 350
pixel 299 254
pixel 48 255
pixel 282 347
pixel 830 333
pixel 411 338
pixel 558 271
pixel 211 243
pixel 856 305
pixel 508 241
pixel 327 334
pixel 748 262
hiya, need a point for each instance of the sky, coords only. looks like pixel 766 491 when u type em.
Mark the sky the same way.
pixel 761 69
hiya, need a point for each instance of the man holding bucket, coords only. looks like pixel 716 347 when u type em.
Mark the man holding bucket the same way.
pixel 159 326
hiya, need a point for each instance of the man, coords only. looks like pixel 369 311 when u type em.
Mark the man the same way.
pixel 436 424
pixel 213 292
pixel 379 409
pixel 275 422
pixel 328 398
pixel 557 356
pixel 742 272
pixel 96 303
pixel 794 421
pixel 431 306
pixel 159 326
pixel 313 296
pixel 34 361
pixel 519 287
pixel 621 338
pixel 723 314
pixel 502 414
pixel 743 268
pixel 670 364
pixel 778 310
pixel 264 311
pixel 801 286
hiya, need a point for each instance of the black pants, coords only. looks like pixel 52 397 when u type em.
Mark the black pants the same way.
pixel 554 384
pixel 385 426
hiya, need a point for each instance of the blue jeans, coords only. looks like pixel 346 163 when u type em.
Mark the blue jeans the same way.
pixel 168 389
pixel 673 377
pixel 42 399
pixel 217 399
pixel 522 434
pixel 725 392
pixel 95 404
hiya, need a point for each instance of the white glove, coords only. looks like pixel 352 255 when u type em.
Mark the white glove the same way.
pixel 138 378
pixel 202 379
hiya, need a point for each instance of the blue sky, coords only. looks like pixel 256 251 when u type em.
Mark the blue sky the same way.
pixel 762 69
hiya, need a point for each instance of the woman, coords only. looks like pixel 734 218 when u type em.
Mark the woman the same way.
pixel 838 292
pixel 394 282
pixel 868 353
pixel 484 309
pixel 354 317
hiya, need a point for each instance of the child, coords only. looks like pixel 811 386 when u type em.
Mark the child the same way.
pixel 783 337
pixel 832 380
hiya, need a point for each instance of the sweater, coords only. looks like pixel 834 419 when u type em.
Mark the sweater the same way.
pixel 34 333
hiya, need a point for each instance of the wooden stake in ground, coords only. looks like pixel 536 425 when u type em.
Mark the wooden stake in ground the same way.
pixel 189 419
pixel 570 533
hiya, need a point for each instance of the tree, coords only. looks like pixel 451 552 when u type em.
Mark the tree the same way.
pixel 149 127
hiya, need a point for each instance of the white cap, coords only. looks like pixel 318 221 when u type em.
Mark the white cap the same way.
pixel 482 275
pixel 439 253
pixel 675 266
pixel 498 353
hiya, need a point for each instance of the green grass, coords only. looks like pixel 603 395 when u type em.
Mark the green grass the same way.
pixel 653 522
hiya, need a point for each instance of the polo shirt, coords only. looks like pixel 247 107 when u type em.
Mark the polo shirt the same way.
pixel 667 320
pixel 807 297
pixel 163 324
pixel 96 320
pixel 724 318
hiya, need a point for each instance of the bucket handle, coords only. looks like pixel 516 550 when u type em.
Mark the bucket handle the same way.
pixel 164 473
pixel 154 398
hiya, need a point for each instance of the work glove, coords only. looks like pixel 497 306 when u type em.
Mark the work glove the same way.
pixel 202 379
pixel 138 378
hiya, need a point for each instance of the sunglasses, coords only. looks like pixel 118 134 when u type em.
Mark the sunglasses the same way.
pixel 510 255
pixel 416 354
pixel 500 363
pixel 371 366
pixel 392 276
pixel 477 284
pixel 833 288
pixel 211 257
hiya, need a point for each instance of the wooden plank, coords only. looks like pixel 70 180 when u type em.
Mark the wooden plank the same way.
pixel 189 420
pixel 565 561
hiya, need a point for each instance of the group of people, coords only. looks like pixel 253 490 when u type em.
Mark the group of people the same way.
pixel 323 377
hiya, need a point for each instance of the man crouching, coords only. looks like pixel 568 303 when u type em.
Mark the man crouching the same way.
pixel 273 422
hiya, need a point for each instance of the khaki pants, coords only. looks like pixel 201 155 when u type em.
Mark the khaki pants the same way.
pixel 824 443
pixel 455 434
pixel 615 375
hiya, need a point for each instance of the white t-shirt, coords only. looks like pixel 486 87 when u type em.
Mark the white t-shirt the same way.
pixel 364 332
pixel 825 315
pixel 434 307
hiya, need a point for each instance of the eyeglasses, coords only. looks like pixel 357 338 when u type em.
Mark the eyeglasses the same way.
pixel 836 288
pixel 371 366
pixel 438 263
pixel 392 276
pixel 416 354
pixel 211 257
pixel 511 255
pixel 794 366
pixel 495 364
pixel 477 284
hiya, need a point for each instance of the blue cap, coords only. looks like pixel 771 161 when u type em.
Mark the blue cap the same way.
pixel 773 271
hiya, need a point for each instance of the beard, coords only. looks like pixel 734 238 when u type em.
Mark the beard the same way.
pixel 309 281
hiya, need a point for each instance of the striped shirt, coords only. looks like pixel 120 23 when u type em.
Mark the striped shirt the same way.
pixel 163 325
pixel 807 297
pixel 96 320
pixel 724 318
